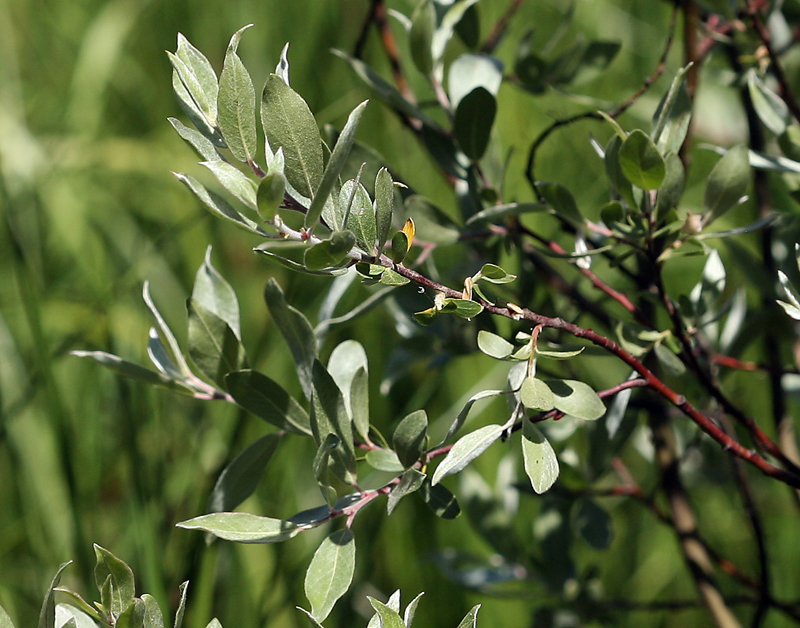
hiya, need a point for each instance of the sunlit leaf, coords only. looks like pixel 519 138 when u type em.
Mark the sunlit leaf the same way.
pixel 465 450
pixel 541 463
pixel 236 104
pixel 330 573
pixel 536 395
pixel 242 527
pixel 410 437
pixel 330 253
pixel 494 346
pixel 120 577
pixel 641 162
pixel 410 481
pixel 576 399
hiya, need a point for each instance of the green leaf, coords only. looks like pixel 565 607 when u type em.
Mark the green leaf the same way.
pixel 541 463
pixel 234 180
pixel 641 162
pixel 202 75
pixel 336 163
pixel 493 274
pixel 423 25
pixel 203 146
pixel 296 331
pixel 297 267
pixel 399 247
pixel 320 466
pixel 440 500
pixel 120 576
pixel 270 194
pixel 669 195
pixel 561 200
pixel 216 295
pixel 384 204
pixel 389 617
pixel 410 482
pixel 494 346
pixel 559 355
pixel 672 116
pixel 593 523
pixel 392 278
pixel 289 124
pixel 463 308
pixel 361 218
pixel 726 184
pixel 671 362
pixel 471 619
pixel 132 370
pixel 219 206
pixel 329 416
pixel 410 437
pixel 536 395
pixel 576 399
pixel 472 124
pixel 384 460
pixel 243 527
pixel 241 476
pixel 470 71
pixel 330 253
pixel 768 105
pixel 181 605
pixel 330 573
pixel 213 345
pixel 619 182
pixel 465 450
pixel 5 619
pixel 47 614
pixel 236 103
pixel 350 370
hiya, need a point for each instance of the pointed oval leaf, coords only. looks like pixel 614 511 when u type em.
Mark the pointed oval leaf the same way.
pixel 768 105
pixel 132 370
pixel 236 104
pixel 384 204
pixel 471 618
pixel 47 614
pixel 494 274
pixel 541 463
pixel 242 527
pixel 536 395
pixel 233 180
pixel 384 460
pixel 392 278
pixel 214 293
pixel 112 569
pixel 361 217
pixel 204 147
pixel 410 437
pixel 465 450
pixel 213 345
pixel 289 124
pixel 399 247
pixel 330 573
pixel 389 618
pixel 440 500
pixel 472 125
pixel 336 163
pixel 202 72
pixel 463 308
pixel 270 194
pixel 641 162
pixel 5 619
pixel 494 346
pixel 671 362
pixel 241 476
pixel 576 399
pixel 727 183
pixel 350 370
pixel 329 416
pixel 410 482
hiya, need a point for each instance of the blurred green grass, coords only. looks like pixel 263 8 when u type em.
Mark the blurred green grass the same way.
pixel 90 211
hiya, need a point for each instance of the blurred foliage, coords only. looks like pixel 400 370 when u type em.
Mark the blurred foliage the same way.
pixel 90 211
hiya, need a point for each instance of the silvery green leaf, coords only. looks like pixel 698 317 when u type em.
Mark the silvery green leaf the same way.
pixel 641 162
pixel 282 69
pixel 494 346
pixel 47 614
pixel 236 104
pixel 216 295
pixel 727 183
pixel 337 161
pixel 384 203
pixel 411 609
pixel 389 618
pixel 536 395
pixel 471 618
pixel 360 215
pixel 541 463
pixel 234 180
pixel 384 460
pixel 770 107
pixel 165 330
pixel 671 362
pixel 329 416
pixel 330 573
pixel 330 253
pixel 410 437
pixel 242 527
pixel 267 399
pixel 289 124
pixel 158 355
pixel 204 147
pixel 465 450
pixel 201 70
pixel 213 345
pixel 219 206
pixel 462 416
pixel 132 370
pixel 493 274
pixel 296 331
pixel 410 481
pixel 297 267
pixel 348 363
pixel 119 575
pixel 576 399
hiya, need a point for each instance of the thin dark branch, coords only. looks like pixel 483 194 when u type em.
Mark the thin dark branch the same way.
pixel 500 27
